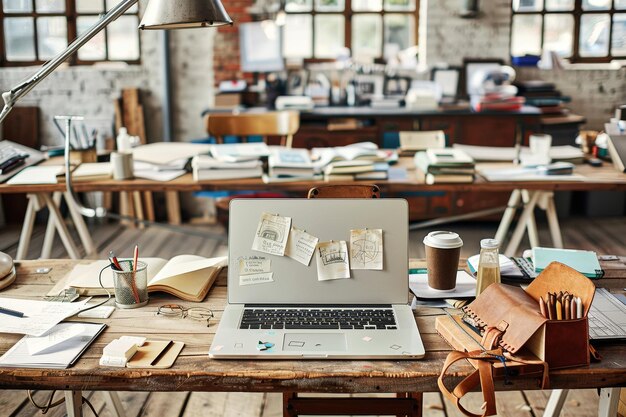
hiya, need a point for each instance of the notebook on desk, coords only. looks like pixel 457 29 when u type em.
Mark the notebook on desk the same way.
pixel 314 303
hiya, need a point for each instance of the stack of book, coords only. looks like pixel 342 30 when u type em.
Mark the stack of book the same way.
pixel 207 168
pixel 290 164
pixel 498 102
pixel 445 165
pixel 543 95
pixel 358 161
pixel 230 161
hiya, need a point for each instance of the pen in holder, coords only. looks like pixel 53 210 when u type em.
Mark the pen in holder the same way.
pixel 131 284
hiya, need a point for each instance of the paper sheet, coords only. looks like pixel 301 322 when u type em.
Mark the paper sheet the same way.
pixel 39 316
pixel 332 260
pixel 254 265
pixel 300 246
pixel 366 249
pixel 45 174
pixel 256 278
pixel 271 234
pixel 465 287
pixel 57 335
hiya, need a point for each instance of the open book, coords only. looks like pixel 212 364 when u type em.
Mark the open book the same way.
pixel 188 277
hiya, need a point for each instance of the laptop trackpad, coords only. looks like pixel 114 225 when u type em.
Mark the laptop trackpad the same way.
pixel 314 342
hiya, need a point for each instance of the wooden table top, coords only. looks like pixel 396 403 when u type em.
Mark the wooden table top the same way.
pixel 603 178
pixel 194 371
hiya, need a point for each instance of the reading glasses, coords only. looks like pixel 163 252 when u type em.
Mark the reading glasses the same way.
pixel 194 313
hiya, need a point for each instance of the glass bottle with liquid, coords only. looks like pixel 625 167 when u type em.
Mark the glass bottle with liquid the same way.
pixel 488 265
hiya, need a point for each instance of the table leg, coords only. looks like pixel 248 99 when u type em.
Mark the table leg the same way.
pixel 511 249
pixel 531 224
pixel 609 400
pixel 27 227
pixel 81 227
pixel 61 227
pixel 48 238
pixel 114 404
pixel 553 223
pixel 74 403
pixel 555 402
pixel 508 215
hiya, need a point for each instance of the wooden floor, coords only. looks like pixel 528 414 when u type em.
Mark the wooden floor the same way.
pixel 606 236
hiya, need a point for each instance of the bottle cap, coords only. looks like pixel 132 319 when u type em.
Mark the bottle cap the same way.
pixel 443 240
pixel 489 244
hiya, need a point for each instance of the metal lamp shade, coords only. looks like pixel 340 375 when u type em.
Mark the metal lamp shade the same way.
pixel 170 14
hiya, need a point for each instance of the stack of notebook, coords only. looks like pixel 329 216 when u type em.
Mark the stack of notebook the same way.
pixel 446 165
pixel 521 269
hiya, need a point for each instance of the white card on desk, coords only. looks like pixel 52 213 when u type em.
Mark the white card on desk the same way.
pixel 102 312
pixel 465 286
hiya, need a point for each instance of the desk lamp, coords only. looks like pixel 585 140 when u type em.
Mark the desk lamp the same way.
pixel 159 14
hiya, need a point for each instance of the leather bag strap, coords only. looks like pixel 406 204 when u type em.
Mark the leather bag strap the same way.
pixel 483 376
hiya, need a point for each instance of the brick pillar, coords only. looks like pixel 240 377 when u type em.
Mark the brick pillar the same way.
pixel 226 45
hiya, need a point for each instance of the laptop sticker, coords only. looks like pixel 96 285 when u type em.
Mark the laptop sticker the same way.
pixel 262 346
pixel 271 234
pixel 366 249
pixel 332 260
pixel 254 265
pixel 367 338
pixel 300 246
pixel 256 278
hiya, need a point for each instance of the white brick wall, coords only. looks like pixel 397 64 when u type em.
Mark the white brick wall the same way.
pixel 445 37
pixel 89 91
pixel 450 38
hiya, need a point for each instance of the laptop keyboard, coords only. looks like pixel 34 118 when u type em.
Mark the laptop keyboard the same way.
pixel 318 318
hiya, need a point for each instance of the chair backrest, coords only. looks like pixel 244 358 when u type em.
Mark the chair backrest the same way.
pixel 280 123
pixel 345 191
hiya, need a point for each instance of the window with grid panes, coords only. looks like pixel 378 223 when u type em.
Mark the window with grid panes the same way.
pixel 579 30
pixel 33 31
pixel 318 29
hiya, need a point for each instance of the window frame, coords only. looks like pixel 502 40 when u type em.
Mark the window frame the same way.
pixel 71 16
pixel 347 14
pixel 577 12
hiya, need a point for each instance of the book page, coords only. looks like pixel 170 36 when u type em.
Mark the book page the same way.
pixel 178 272
pixel 86 276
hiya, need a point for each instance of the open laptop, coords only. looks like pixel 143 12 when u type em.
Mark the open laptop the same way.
pixel 297 316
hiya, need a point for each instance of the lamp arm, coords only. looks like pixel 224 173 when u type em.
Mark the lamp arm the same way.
pixel 12 96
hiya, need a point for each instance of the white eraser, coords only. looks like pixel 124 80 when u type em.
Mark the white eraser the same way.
pixel 137 340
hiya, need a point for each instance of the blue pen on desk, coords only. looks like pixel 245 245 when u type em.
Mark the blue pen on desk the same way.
pixel 10 312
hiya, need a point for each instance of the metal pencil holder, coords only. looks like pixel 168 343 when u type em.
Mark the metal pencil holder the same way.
pixel 131 287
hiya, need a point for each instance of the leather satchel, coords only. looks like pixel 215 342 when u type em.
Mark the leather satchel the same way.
pixel 514 332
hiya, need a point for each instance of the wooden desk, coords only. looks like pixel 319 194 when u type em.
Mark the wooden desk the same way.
pixel 194 371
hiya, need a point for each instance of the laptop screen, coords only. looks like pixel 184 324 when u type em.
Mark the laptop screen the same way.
pixel 369 234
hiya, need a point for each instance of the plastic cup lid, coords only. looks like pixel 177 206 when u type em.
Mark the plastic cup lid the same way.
pixel 443 240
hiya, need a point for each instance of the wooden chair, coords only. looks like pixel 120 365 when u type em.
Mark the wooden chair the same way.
pixel 345 191
pixel 280 123
pixel 405 403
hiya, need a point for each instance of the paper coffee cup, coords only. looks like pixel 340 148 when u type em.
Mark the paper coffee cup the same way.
pixel 443 250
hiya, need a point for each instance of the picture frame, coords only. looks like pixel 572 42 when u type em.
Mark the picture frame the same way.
pixel 448 79
pixel 370 85
pixel 474 66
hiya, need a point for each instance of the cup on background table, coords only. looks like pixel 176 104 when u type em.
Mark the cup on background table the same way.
pixel 540 144
pixel 131 287
pixel 122 164
pixel 443 250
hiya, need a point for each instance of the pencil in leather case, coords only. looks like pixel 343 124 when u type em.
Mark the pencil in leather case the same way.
pixel 516 315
